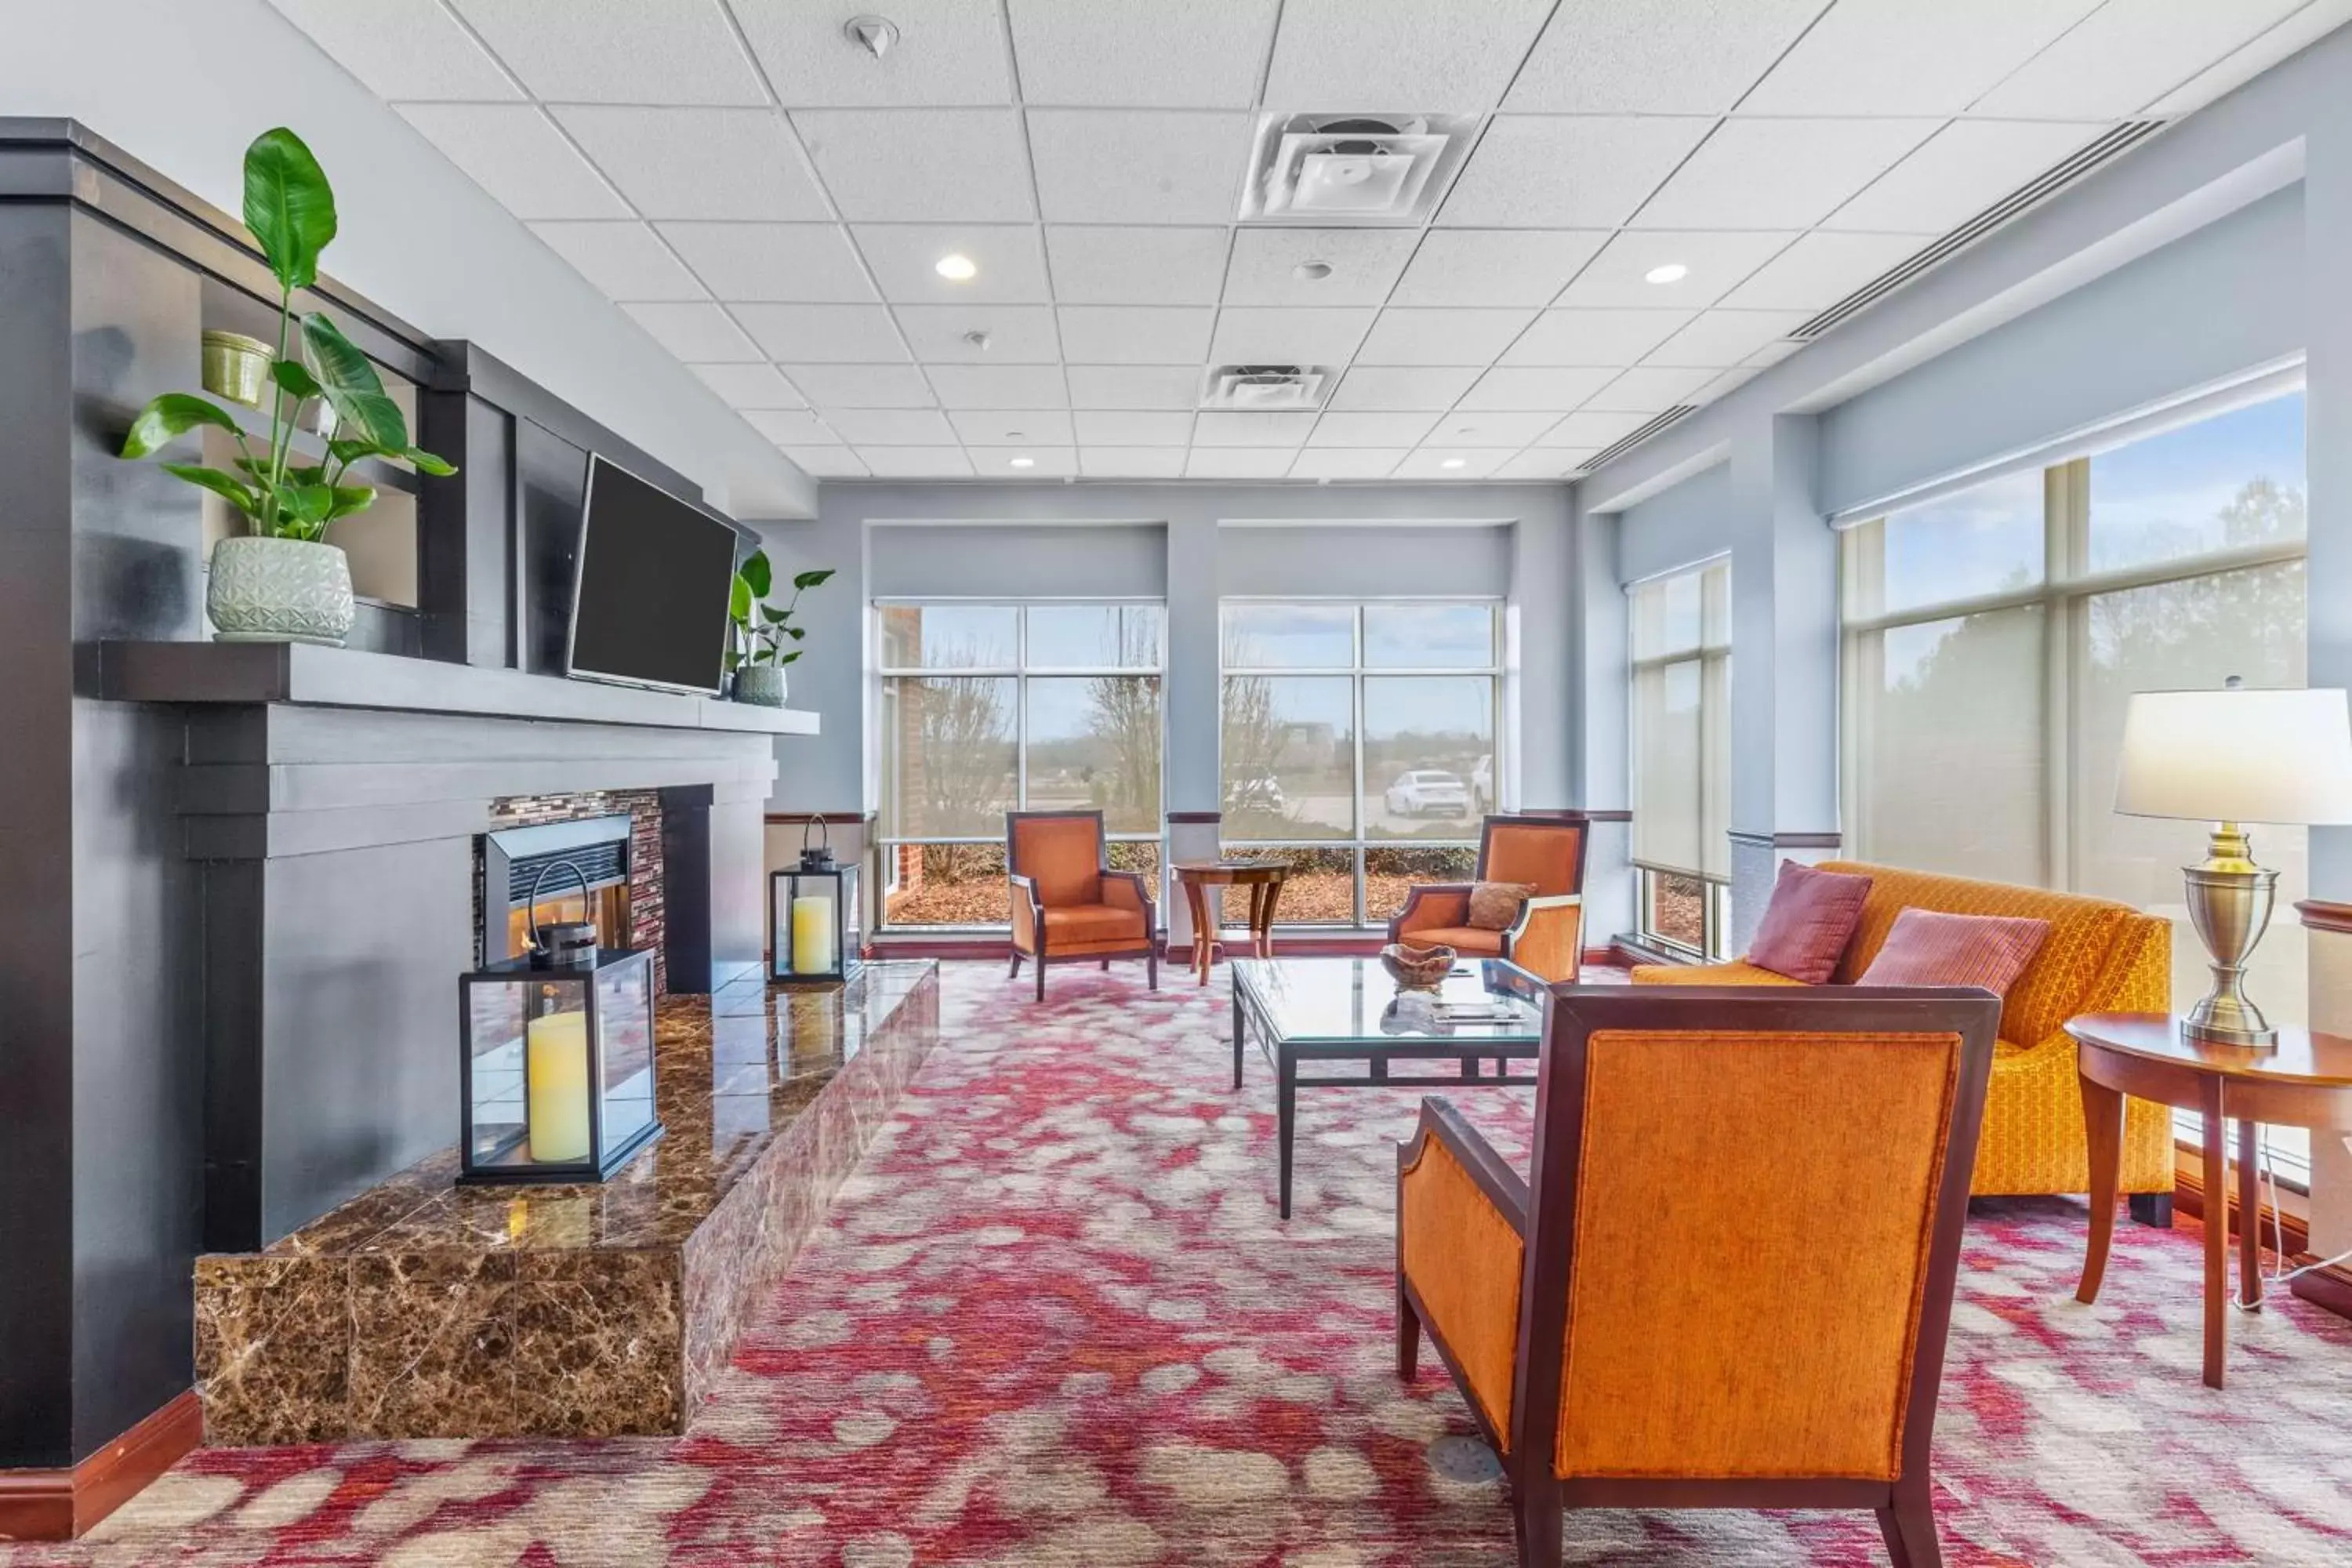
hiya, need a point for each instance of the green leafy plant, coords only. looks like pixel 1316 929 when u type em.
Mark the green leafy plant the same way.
pixel 762 632
pixel 289 209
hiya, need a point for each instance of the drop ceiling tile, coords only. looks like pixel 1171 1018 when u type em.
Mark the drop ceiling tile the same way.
pixel 1346 55
pixel 1728 380
pixel 1135 334
pixel 1252 335
pixel 1142 52
pixel 999 385
pixel 891 427
pixel 916 462
pixel 1957 173
pixel 1494 265
pixel 1899 56
pixel 1114 265
pixel 1509 387
pixel 627 260
pixel 949 52
pixel 2241 65
pixel 2128 53
pixel 1618 277
pixel 1238 462
pixel 1364 264
pixel 1591 432
pixel 1154 166
pixel 1492 427
pixel 1346 462
pixel 824 334
pixel 1430 387
pixel 1115 427
pixel 793 427
pixel 1138 386
pixel 1656 57
pixel 1821 269
pixel 514 151
pixel 1544 463
pixel 1780 174
pixel 696 331
pixel 1017 334
pixel 1589 171
pixel 1648 391
pixel 618 51
pixel 1450 463
pixel 1218 427
pixel 799 263
pixel 862 385
pixel 828 462
pixel 919 165
pixel 1029 463
pixel 1613 337
pixel 731 163
pixel 1131 462
pixel 906 257
pixel 1351 428
pixel 749 386
pixel 402 50
pixel 1013 426
pixel 1721 339
pixel 1441 337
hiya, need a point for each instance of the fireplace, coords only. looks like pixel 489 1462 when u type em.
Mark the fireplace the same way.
pixel 611 839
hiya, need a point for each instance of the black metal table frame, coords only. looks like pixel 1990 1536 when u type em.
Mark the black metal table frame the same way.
pixel 1285 1055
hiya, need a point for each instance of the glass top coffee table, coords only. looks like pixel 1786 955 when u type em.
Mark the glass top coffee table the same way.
pixel 1349 1010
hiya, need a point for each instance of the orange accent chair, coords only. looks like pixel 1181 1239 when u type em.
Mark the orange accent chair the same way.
pixel 1067 903
pixel 1716 1350
pixel 1544 848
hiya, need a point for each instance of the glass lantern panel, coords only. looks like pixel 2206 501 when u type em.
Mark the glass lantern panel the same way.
pixel 808 924
pixel 529 1040
pixel 625 1024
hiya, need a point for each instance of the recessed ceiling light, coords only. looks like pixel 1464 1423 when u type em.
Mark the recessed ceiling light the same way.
pixel 1672 272
pixel 1451 463
pixel 1311 271
pixel 956 268
pixel 1025 462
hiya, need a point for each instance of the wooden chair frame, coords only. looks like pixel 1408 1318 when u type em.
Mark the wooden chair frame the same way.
pixel 1530 908
pixel 1026 888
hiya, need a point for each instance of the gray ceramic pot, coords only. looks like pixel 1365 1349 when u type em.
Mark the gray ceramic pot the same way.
pixel 761 685
pixel 278 590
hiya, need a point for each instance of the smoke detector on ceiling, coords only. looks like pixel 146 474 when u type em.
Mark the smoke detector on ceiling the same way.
pixel 1264 388
pixel 1346 170
pixel 878 36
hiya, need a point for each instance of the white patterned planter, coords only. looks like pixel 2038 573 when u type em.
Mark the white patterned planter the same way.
pixel 278 590
pixel 760 685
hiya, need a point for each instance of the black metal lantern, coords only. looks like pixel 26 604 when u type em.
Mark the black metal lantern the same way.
pixel 814 931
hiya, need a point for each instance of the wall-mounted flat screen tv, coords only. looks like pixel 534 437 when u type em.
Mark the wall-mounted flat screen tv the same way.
pixel 650 589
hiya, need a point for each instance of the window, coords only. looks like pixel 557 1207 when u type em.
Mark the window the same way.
pixel 1993 638
pixel 987 709
pixel 1681 714
pixel 1357 743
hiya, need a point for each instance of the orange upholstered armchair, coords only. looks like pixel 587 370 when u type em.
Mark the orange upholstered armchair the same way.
pixel 1773 1337
pixel 1067 903
pixel 1544 850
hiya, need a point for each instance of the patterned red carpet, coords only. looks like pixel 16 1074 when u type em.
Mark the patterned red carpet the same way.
pixel 1056 1322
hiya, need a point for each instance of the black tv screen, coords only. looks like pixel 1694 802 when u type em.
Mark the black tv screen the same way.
pixel 649 600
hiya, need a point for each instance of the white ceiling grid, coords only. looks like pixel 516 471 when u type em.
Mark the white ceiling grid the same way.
pixel 770 201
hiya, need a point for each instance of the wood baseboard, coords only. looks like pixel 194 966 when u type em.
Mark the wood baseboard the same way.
pixel 2327 1288
pixel 59 1505
pixel 2189 1198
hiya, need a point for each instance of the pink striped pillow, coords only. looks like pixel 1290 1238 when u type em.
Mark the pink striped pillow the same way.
pixel 1927 947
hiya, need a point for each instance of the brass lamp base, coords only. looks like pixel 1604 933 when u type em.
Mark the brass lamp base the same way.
pixel 2229 904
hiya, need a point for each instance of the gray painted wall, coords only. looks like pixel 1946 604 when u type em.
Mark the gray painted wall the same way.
pixel 1018 561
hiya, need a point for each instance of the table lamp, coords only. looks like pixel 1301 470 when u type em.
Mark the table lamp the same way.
pixel 2231 757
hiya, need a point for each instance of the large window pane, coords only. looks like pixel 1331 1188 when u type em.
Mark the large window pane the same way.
pixel 1429 636
pixel 1681 724
pixel 1093 636
pixel 1094 744
pixel 1290 636
pixel 1390 872
pixel 1426 738
pixel 949 636
pixel 1986 540
pixel 1668 747
pixel 1674 909
pixel 1289 752
pixel 2223 484
pixel 949 764
pixel 945 885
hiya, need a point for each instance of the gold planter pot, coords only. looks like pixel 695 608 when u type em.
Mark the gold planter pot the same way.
pixel 236 367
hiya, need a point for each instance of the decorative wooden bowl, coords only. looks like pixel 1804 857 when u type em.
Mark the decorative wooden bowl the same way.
pixel 1416 968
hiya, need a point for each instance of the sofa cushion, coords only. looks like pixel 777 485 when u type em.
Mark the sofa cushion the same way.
pixel 1091 922
pixel 1495 906
pixel 1733 973
pixel 1807 925
pixel 1928 947
pixel 1468 940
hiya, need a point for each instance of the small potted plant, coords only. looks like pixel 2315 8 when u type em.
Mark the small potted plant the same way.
pixel 759 647
pixel 282 581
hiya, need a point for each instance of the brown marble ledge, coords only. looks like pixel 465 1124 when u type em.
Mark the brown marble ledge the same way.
pixel 422 1308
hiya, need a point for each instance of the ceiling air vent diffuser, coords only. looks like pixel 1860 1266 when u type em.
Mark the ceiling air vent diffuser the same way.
pixel 1264 388
pixel 1353 170
pixel 1634 438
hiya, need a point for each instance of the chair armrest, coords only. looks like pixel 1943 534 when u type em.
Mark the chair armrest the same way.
pixel 1443 1125
pixel 1429 905
pixel 1462 1216
pixel 1028 915
pixel 1548 938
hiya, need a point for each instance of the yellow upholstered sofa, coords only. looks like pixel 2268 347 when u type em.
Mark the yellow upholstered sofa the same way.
pixel 2100 957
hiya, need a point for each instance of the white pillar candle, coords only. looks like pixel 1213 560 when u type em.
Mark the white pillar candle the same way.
pixel 812 935
pixel 555 1068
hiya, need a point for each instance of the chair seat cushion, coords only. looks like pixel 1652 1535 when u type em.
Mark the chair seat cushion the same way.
pixel 1461 939
pixel 1092 923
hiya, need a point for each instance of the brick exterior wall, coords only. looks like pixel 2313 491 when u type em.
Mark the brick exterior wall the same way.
pixel 646 927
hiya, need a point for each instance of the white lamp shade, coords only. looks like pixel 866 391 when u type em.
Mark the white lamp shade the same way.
pixel 2237 756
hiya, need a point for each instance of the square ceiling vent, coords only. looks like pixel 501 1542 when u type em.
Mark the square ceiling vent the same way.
pixel 1353 170
pixel 1264 388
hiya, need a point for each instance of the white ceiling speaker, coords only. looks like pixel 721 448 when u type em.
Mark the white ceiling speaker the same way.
pixel 1264 388
pixel 1353 170
pixel 878 36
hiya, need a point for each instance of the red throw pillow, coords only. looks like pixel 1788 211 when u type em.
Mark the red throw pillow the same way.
pixel 1927 947
pixel 1806 926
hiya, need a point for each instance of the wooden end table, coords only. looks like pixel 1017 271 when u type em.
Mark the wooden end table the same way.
pixel 2306 1081
pixel 1263 879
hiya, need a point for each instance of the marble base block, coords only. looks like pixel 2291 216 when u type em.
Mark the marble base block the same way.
pixel 422 1308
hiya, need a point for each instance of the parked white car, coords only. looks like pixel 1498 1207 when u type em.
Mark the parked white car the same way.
pixel 1427 792
pixel 1482 785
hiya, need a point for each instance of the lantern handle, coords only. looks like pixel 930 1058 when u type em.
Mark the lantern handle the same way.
pixel 816 820
pixel 587 894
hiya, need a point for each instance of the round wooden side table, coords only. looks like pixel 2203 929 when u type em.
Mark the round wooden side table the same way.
pixel 1263 879
pixel 2304 1081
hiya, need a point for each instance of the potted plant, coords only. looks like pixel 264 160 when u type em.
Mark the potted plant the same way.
pixel 282 581
pixel 758 647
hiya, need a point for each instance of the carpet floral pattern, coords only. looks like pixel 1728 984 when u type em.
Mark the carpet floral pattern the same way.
pixel 1054 1322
